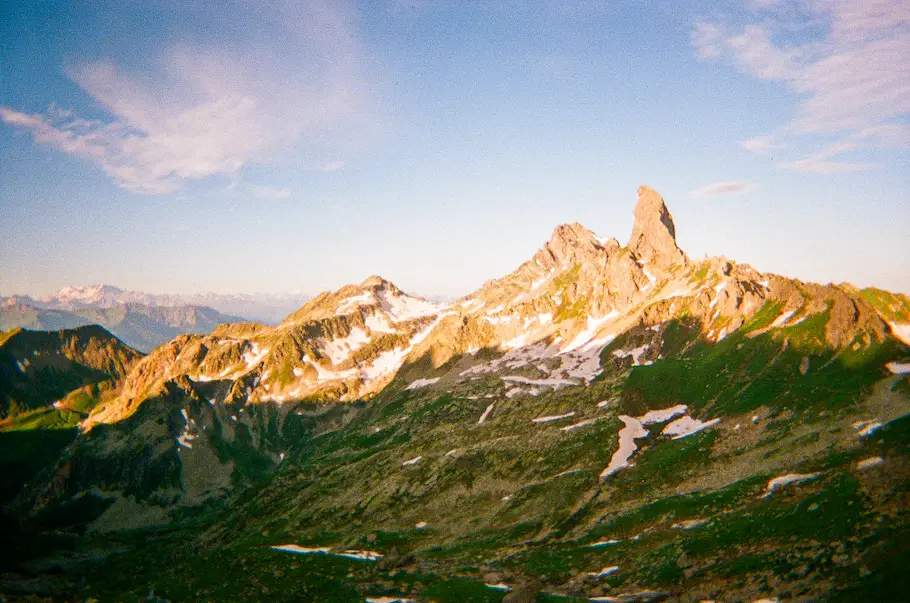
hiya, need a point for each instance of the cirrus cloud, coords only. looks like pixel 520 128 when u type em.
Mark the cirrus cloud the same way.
pixel 851 79
pixel 200 109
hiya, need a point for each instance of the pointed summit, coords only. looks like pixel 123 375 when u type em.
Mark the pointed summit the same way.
pixel 570 243
pixel 653 234
pixel 571 236
pixel 375 281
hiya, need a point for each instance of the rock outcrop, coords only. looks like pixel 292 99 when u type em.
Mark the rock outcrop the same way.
pixel 653 233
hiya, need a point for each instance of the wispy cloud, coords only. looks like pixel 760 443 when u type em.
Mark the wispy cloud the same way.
pixel 852 78
pixel 210 110
pixel 816 165
pixel 884 135
pixel 760 144
pixel 726 187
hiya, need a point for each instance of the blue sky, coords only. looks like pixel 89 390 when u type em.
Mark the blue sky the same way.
pixel 275 146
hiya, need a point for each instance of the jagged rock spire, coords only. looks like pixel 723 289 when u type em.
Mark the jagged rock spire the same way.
pixel 653 234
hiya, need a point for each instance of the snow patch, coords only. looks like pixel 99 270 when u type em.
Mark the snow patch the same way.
pixel 901 331
pixel 186 436
pixel 549 418
pixel 588 333
pixel 419 383
pixel 867 428
pixel 349 304
pixel 783 318
pixel 412 461
pixel 650 276
pixel 899 368
pixel 405 307
pixel 634 429
pixel 362 555
pixel 661 416
pixel 518 342
pixel 604 572
pixel 717 290
pixel 378 324
pixel 495 310
pixel 324 375
pixel 300 550
pixel 685 426
pixel 486 413
pixel 689 524
pixel 872 461
pixel 338 350
pixel 790 478
pixel 254 355
pixel 601 543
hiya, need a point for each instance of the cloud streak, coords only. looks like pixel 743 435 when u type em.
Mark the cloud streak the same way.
pixel 853 78
pixel 210 110
pixel 726 187
pixel 760 144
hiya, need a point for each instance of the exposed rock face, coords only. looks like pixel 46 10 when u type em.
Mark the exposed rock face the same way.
pixel 342 345
pixel 550 318
pixel 569 244
pixel 653 234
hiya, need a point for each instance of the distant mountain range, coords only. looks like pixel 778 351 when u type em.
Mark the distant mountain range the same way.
pixel 138 325
pixel 142 320
pixel 269 308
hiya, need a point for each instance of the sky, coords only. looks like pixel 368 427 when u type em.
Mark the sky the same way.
pixel 168 146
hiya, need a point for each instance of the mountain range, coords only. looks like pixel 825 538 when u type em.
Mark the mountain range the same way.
pixel 608 422
pixel 269 308
pixel 141 326
pixel 142 320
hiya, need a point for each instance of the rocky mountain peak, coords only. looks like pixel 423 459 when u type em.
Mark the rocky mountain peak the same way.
pixel 376 282
pixel 572 235
pixel 653 233
pixel 569 243
pixel 84 294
